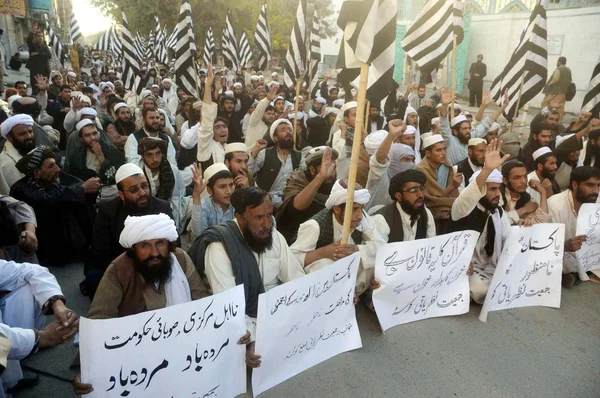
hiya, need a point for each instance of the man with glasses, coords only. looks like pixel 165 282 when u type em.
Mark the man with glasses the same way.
pixel 134 200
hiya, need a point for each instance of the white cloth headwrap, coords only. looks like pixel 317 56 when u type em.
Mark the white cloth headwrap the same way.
pixel 409 110
pixel 13 121
pixel 410 130
pixel 277 123
pixel 71 74
pixel 494 177
pixel 374 140
pixel 338 196
pixel 177 288
pixel 153 226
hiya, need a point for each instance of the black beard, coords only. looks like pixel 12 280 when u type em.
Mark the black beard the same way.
pixel 286 144
pixel 485 202
pixel 160 273
pixel 25 148
pixel 257 245
pixel 409 208
pixel 463 139
pixel 150 128
pixel 476 163
pixel 547 174
pixel 581 198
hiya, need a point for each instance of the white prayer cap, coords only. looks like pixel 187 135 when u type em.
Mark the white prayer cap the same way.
pixel 424 136
pixel 495 127
pixel 12 99
pixel 214 169
pixel 88 112
pixel 83 123
pixel 119 106
pixel 254 77
pixel 410 130
pixel 430 141
pixel 476 141
pixel 85 99
pixel 197 105
pixel 298 98
pixel 320 100
pixel 103 85
pixel 237 84
pixel 76 94
pixel 153 226
pixel 494 177
pixel 111 71
pixel 374 140
pixel 167 80
pixel 277 123
pixel 438 106
pixel 229 93
pixel 296 115
pixel 338 196
pixel 541 152
pixel 155 86
pixel 127 170
pixel 72 74
pixel 466 113
pixel 274 74
pixel 279 97
pixel 435 120
pixel 339 103
pixel 562 138
pixel 13 121
pixel 349 105
pixel 236 147
pixel 333 110
pixel 458 119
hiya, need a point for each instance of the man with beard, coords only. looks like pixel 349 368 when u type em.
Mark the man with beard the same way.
pixel 518 204
pixel 272 166
pixel 343 138
pixel 376 120
pixel 406 218
pixel 317 107
pixel 246 250
pixel 242 100
pixel 564 209
pixel 566 162
pixel 474 160
pixel 550 118
pixel 134 200
pixel 317 244
pixel 477 72
pixel 236 160
pixel 415 95
pixel 587 141
pixel 261 119
pixel 234 118
pixel 540 136
pixel 459 131
pixel 121 128
pixel 151 129
pixel 478 208
pixel 545 170
pixel 319 126
pixel 64 208
pixel 18 132
pixel 306 191
pixel 168 93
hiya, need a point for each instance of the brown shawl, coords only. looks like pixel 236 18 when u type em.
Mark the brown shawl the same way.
pixel 436 200
pixel 295 184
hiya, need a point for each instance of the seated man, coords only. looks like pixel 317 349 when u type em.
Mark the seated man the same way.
pixel 587 140
pixel 32 293
pixel 318 241
pixel 122 127
pixel 18 220
pixel 408 136
pixel 476 207
pixel 272 166
pixel 540 136
pixel 406 218
pixel 216 208
pixel 518 204
pixel 474 161
pixel 306 191
pixel 564 208
pixel 441 188
pixel 342 141
pixel 18 132
pixel 319 127
pixel 236 160
pixel 151 118
pixel 134 200
pixel 163 178
pixel 545 170
pixel 63 209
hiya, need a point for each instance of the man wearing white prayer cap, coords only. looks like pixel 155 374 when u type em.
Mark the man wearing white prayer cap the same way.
pixel 274 77
pixel 411 118
pixel 168 93
pixel 338 103
pixel 545 170
pixel 435 125
pixel 18 132
pixel 261 118
pixel 342 143
pixel 133 199
pixel 458 131
pixel 493 132
pixel 317 243
pixel 408 136
pixel 236 160
pixel 478 208
pixel 317 107
pixel 474 161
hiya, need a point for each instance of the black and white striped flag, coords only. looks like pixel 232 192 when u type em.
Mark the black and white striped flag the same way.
pixel 245 52
pixel 131 60
pixel 140 46
pixel 315 51
pixel 529 58
pixel 591 101
pixel 115 43
pixel 56 45
pixel 75 31
pixel 209 47
pixel 172 41
pixel 103 43
pixel 430 39
pixel 150 46
pixel 295 57
pixel 160 46
pixel 369 37
pixel 262 39
pixel 230 46
pixel 185 51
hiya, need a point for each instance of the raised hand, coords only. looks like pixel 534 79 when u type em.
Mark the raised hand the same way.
pixel 505 100
pixel 262 144
pixel 199 183
pixel 396 129
pixel 327 165
pixel 41 82
pixel 272 94
pixel 446 96
pixel 493 158
pixel 486 99
pixel 558 101
pixel 210 75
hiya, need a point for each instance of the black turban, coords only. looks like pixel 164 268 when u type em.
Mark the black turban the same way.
pixel 397 182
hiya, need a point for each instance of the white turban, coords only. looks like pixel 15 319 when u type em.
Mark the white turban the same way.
pixel 408 111
pixel 72 74
pixel 229 93
pixel 254 77
pixel 494 177
pixel 410 130
pixel 277 123
pixel 476 141
pixel 338 196
pixel 153 226
pixel 155 86
pixel 13 121
pixel 119 106
pixel 329 111
pixel 83 123
pixel 320 100
pixel 495 127
pixel 237 84
pixel 338 103
pixel 374 140
pixel 167 80
pixel 127 170
pixel 12 99
pixel 435 121
pixel 88 112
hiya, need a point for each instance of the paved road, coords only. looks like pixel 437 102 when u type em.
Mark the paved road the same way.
pixel 527 352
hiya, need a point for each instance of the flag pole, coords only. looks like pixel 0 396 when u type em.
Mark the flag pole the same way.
pixel 512 124
pixel 356 145
pixel 453 75
pixel 197 79
pixel 367 113
pixel 298 84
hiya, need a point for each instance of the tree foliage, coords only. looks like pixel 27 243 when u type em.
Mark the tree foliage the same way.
pixel 205 13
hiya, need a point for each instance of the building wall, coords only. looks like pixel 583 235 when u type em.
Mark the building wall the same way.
pixel 496 35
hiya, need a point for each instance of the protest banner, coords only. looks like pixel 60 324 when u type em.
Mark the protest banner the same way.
pixel 186 350
pixel 588 224
pixel 424 278
pixel 529 270
pixel 305 322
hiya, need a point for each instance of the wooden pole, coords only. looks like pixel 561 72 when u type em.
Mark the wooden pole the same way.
pixel 298 84
pixel 453 76
pixel 367 113
pixel 360 113
pixel 310 73
pixel 198 96
pixel 512 124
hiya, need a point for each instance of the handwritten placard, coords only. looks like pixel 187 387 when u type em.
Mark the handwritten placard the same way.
pixel 187 350
pixel 424 278
pixel 305 322
pixel 529 270
pixel 588 224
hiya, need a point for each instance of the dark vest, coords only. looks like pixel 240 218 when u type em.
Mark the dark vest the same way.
pixel 142 134
pixel 268 173
pixel 563 83
pixel 476 221
pixel 393 219
pixel 465 168
pixel 325 220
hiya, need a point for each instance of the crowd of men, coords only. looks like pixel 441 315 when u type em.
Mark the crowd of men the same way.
pixel 167 198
